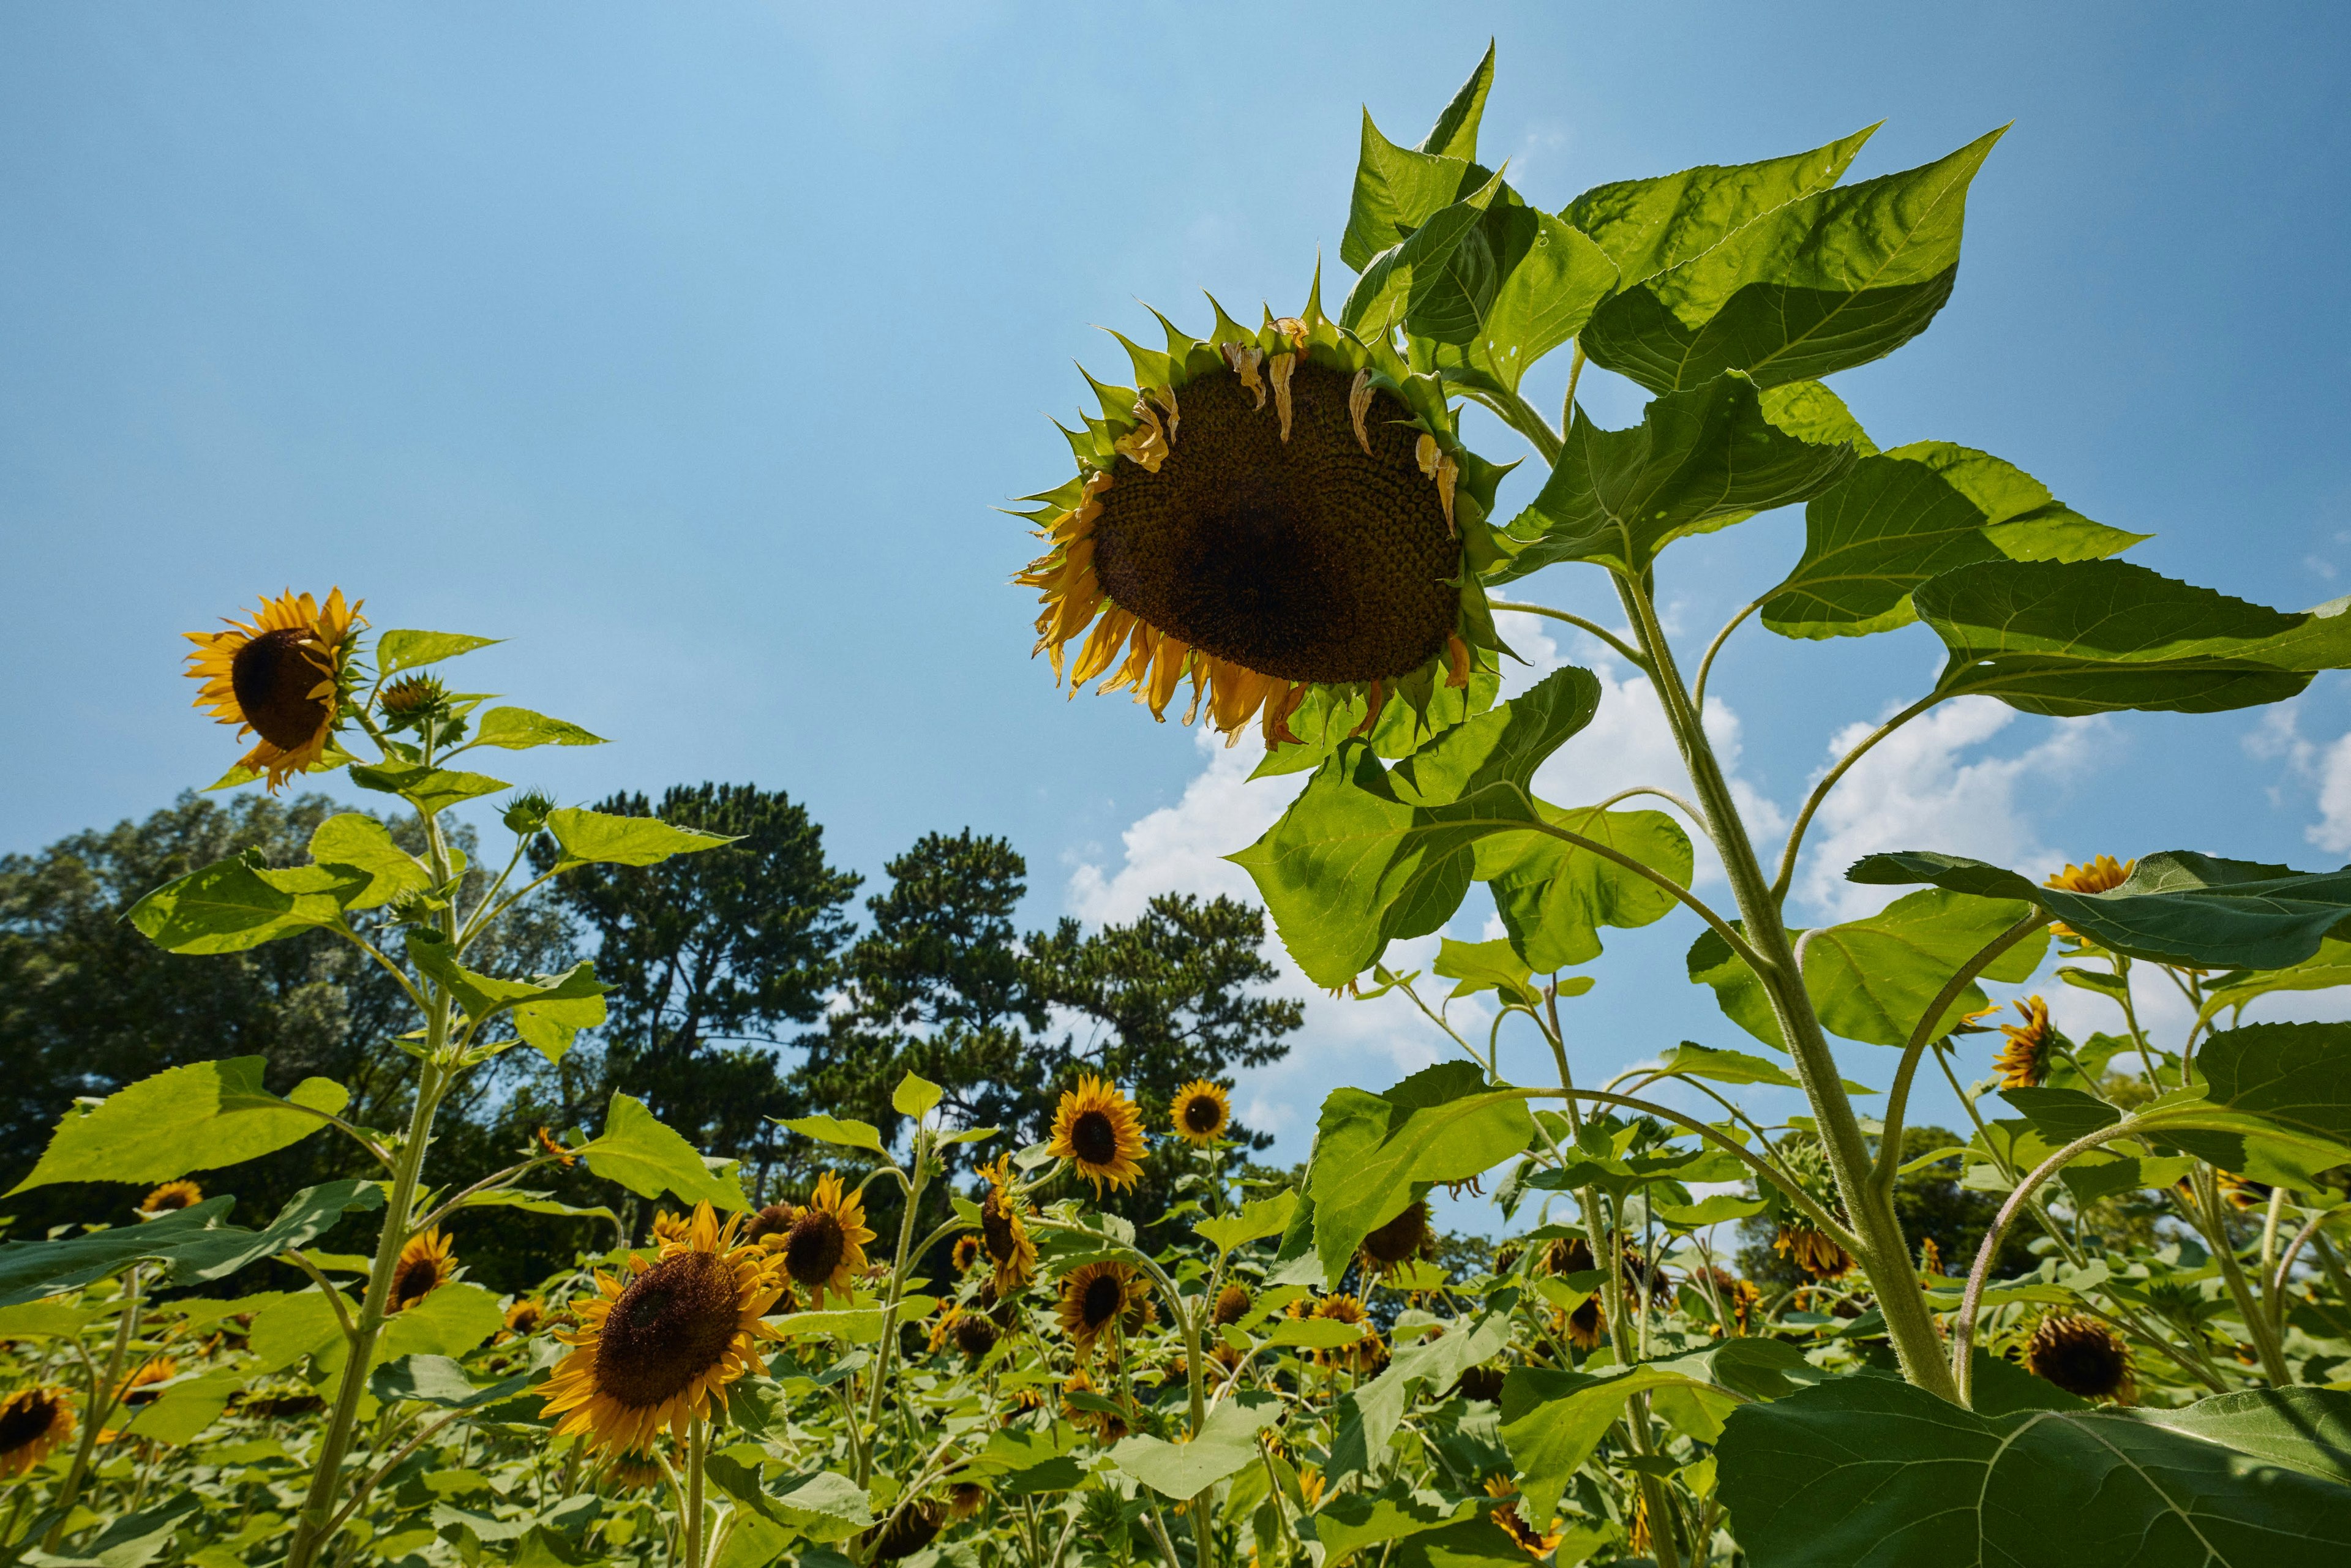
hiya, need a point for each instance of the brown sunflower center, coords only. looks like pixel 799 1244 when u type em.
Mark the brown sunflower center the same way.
pixel 776 1219
pixel 1101 1302
pixel 1202 1113
pixel 25 1419
pixel 1232 1304
pixel 814 1247
pixel 273 676
pixel 415 1281
pixel 1308 559
pixel 1094 1136
pixel 671 1324
pixel 974 1335
pixel 1400 1238
pixel 996 1227
pixel 168 1199
pixel 2080 1358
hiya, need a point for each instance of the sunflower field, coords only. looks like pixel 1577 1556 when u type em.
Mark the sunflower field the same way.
pixel 948 1349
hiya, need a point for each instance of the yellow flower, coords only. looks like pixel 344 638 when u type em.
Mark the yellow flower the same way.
pixel 651 1350
pixel 2080 1356
pixel 2102 874
pixel 1278 516
pixel 634 1472
pixel 1585 1327
pixel 1814 1252
pixel 1202 1113
pixel 1401 1241
pixel 172 1194
pixel 1310 1481
pixel 1105 1426
pixel 423 1268
pixel 824 1252
pixel 773 1220
pixel 280 676
pixel 525 1317
pixel 668 1227
pixel 1004 1231
pixel 1533 1541
pixel 32 1422
pixel 1365 1353
pixel 1098 1294
pixel 969 1333
pixel 968 1251
pixel 142 1388
pixel 1098 1130
pixel 2024 1062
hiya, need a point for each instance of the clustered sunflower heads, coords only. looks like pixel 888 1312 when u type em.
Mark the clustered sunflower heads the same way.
pixel 423 1268
pixel 33 1422
pixel 1004 1231
pixel 1098 1297
pixel 1077 1394
pixel 1398 1244
pixel 824 1250
pixel 773 1219
pixel 653 1349
pixel 1201 1113
pixel 2024 1062
pixel 285 675
pixel 172 1194
pixel 1098 1130
pixel 1287 518
pixel 2080 1356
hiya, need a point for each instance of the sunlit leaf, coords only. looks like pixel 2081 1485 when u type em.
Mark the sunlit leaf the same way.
pixel 196 1117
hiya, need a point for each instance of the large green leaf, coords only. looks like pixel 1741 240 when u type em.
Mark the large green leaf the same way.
pixel 1814 286
pixel 1455 134
pixel 398 651
pixel 1493 967
pixel 547 1011
pixel 2075 637
pixel 1649 225
pixel 216 1254
pixel 1355 1519
pixel 1444 1124
pixel 430 789
pixel 2324 970
pixel 31 1270
pixel 1553 897
pixel 1368 1417
pixel 1225 1442
pixel 2294 1074
pixel 356 842
pixel 1700 459
pixel 239 903
pixel 1887 528
pixel 197 1117
pixel 518 729
pixel 1397 191
pixel 1870 1469
pixel 641 1154
pixel 449 1321
pixel 1253 1222
pixel 185 1408
pixel 600 838
pixel 2021 515
pixel 2176 907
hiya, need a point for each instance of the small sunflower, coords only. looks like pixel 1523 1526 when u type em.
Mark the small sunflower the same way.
pixel 974 1335
pixel 638 1471
pixel 1096 1296
pixel 1004 1231
pixel 668 1227
pixel 284 675
pixel 1310 1482
pixel 2080 1356
pixel 2102 873
pixel 1281 516
pixel 423 1268
pixel 1106 1424
pixel 1586 1326
pixel 411 697
pixel 172 1194
pixel 1533 1541
pixel 1202 1113
pixel 963 1499
pixel 824 1252
pixel 1402 1241
pixel 2024 1062
pixel 1931 1256
pixel 968 1251
pixel 139 1390
pixel 526 1317
pixel 773 1220
pixel 562 1155
pixel 653 1349
pixel 906 1532
pixel 33 1422
pixel 1232 1305
pixel 1098 1130
pixel 1360 1355
pixel 1815 1253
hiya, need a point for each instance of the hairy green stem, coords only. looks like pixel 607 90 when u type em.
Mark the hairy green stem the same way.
pixel 890 1306
pixel 95 1411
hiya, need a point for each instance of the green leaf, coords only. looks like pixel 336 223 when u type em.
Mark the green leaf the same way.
pixel 1489 966
pixel 1225 1442
pixel 1352 1521
pixel 596 837
pixel 1553 896
pixel 536 1203
pixel 180 1414
pixel 430 789
pixel 1455 134
pixel 1314 1334
pixel 398 651
pixel 1478 1543
pixel 1706 1211
pixel 2324 970
pixel 236 904
pixel 217 1253
pixel 358 842
pixel 301 1324
pixel 1397 191
pixel 1516 285
pixel 47 1319
pixel 1725 1066
pixel 1872 1469
pixel 547 1011
pixel 449 1321
pixel 2075 637
pixel 201 1116
pixel 1429 277
pixel 837 1130
pixel 1367 1418
pixel 1504 745
pixel 2296 1075
pixel 1441 1125
pixel 31 1270
pixel 1256 1220
pixel 133 1540
pixel 439 1381
pixel 518 729
pixel 1809 412
pixel 641 1154
pixel 1887 527
pixel 2021 518
pixel 2176 907
pixel 915 1097
pixel 1700 459
pixel 1649 225
pixel 1553 1421
pixel 1813 286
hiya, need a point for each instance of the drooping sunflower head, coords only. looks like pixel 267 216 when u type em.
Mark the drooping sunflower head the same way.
pixel 907 1532
pixel 285 675
pixel 1232 1304
pixel 423 1268
pixel 1201 1113
pixel 2080 1356
pixel 973 1334
pixel 1586 1326
pixel 1098 1130
pixel 1401 1241
pixel 963 1499
pixel 1815 1253
pixel 650 1350
pixel 1482 1384
pixel 774 1220
pixel 280 1404
pixel 634 1472
pixel 2024 1062
pixel 1004 1231
pixel 1281 516
pixel 1097 1296
pixel 1567 1255
pixel 1533 1541
pixel 172 1194
pixel 824 1250
pixel 33 1422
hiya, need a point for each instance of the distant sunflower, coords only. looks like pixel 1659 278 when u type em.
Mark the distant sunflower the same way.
pixel 1106 1424
pixel 1096 1296
pixel 1004 1231
pixel 824 1252
pixel 913 1527
pixel 1281 516
pixel 1365 1353
pixel 1399 1243
pixel 774 1220
pixel 526 1317
pixel 653 1349
pixel 279 1405
pixel 970 1332
pixel 139 1390
pixel 283 675
pixel 2080 1356
pixel 1202 1113
pixel 33 1422
pixel 634 1472
pixel 1815 1253
pixel 1232 1305
pixel 1482 1384
pixel 423 1268
pixel 968 1251
pixel 1533 1541
pixel 1098 1130
pixel 1586 1326
pixel 963 1499
pixel 172 1194
pixel 2024 1062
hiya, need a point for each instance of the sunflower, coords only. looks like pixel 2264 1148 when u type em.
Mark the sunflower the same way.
pixel 411 697
pixel 1586 1326
pixel 140 1389
pixel 1107 1426
pixel 2024 1062
pixel 423 1268
pixel 1004 1232
pixel 1533 1541
pixel 172 1194
pixel 32 1422
pixel 651 1350
pixel 968 1251
pixel 1098 1130
pixel 974 1335
pixel 1283 516
pixel 1931 1256
pixel 668 1227
pixel 963 1499
pixel 1310 1481
pixel 1482 1384
pixel 906 1532
pixel 1096 1296
pixel 1202 1111
pixel 1402 1241
pixel 1345 1309
pixel 284 675
pixel 638 1471
pixel 2101 874
pixel 773 1220
pixel 825 1248
pixel 526 1317
pixel 1232 1305
pixel 2080 1356
pixel 1815 1253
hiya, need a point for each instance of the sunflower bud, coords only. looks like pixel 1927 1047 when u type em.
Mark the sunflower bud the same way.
pixel 527 813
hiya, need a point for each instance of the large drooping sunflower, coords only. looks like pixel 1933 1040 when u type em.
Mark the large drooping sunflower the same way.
pixel 649 1353
pixel 1286 518
pixel 1201 1113
pixel 1815 1253
pixel 284 674
pixel 172 1194
pixel 1097 1296
pixel 1004 1231
pixel 1099 1131
pixel 824 1250
pixel 32 1422
pixel 423 1268
pixel 1398 1244
pixel 2080 1356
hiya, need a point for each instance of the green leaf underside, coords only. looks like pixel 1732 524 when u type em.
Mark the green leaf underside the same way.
pixel 1225 1443
pixel 1373 1151
pixel 398 651
pixel 602 838
pixel 235 904
pixel 196 1117
pixel 548 1012
pixel 642 1154
pixel 2323 970
pixel 1368 1417
pixel 518 729
pixel 430 790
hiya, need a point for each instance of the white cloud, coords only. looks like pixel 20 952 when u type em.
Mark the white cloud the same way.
pixel 2278 737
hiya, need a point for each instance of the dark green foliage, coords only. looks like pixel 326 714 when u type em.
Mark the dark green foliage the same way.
pixel 1932 1207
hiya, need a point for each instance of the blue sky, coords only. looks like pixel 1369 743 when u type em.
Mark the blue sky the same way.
pixel 689 348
